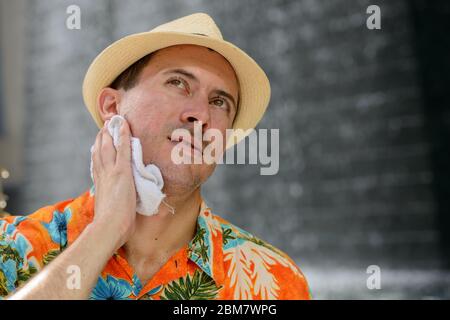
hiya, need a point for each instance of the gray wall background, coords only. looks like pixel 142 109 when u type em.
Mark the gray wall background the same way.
pixel 356 185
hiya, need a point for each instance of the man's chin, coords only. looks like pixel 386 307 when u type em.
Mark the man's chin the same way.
pixel 182 177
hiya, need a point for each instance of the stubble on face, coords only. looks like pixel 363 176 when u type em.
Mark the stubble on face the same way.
pixel 178 178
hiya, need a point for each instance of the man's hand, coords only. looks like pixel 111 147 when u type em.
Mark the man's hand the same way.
pixel 113 224
pixel 115 193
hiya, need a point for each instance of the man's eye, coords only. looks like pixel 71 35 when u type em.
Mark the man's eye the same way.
pixel 219 103
pixel 178 83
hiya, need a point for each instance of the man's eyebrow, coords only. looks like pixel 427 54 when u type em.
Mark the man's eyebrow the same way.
pixel 183 72
pixel 193 77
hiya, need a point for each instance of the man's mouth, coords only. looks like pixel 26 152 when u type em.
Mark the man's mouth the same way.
pixel 194 145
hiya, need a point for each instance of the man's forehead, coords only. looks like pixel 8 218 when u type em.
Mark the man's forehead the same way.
pixel 203 56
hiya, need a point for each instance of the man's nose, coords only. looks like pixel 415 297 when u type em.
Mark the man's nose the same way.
pixel 197 111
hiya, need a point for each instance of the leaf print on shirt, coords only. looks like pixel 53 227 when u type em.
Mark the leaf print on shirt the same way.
pixel 8 277
pixel 199 247
pixel 247 251
pixel 3 285
pixel 262 243
pixel 200 286
pixel 227 234
pixel 12 271
pixel 9 253
pixel 50 255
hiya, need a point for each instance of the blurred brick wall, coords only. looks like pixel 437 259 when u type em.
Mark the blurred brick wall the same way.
pixel 355 185
pixel 355 182
pixel 431 21
pixel 59 130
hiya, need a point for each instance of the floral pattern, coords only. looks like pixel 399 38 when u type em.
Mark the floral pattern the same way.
pixel 57 227
pixel 222 261
pixel 111 288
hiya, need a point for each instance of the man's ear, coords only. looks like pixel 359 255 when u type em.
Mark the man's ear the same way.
pixel 107 103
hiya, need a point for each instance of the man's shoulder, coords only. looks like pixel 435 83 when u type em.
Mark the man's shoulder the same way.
pixel 234 235
pixel 248 257
pixel 29 242
pixel 45 214
pixel 44 225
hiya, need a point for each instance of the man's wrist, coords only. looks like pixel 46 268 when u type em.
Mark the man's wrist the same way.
pixel 104 238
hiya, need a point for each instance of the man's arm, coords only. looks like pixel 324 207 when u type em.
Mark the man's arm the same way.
pixel 114 222
pixel 89 253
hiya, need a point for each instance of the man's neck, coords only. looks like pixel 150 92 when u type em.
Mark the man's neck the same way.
pixel 160 236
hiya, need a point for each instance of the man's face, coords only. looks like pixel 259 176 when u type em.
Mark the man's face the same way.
pixel 180 85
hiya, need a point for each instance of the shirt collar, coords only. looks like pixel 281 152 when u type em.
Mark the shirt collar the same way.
pixel 205 249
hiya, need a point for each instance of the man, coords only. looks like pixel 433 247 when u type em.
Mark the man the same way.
pixel 176 76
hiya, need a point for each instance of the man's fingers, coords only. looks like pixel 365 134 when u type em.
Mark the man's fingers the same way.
pixel 97 164
pixel 124 146
pixel 108 150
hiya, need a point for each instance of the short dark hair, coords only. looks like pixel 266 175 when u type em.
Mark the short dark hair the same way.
pixel 130 76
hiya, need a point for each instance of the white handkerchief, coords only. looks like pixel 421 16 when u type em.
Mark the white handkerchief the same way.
pixel 147 178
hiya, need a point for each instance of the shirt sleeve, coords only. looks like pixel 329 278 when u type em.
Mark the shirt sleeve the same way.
pixel 27 244
pixel 16 266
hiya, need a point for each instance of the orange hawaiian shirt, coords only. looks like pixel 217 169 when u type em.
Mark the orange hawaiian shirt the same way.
pixel 222 261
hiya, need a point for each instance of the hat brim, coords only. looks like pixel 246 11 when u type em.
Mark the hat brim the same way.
pixel 113 60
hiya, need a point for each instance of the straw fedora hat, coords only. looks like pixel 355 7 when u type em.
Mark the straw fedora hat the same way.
pixel 197 29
